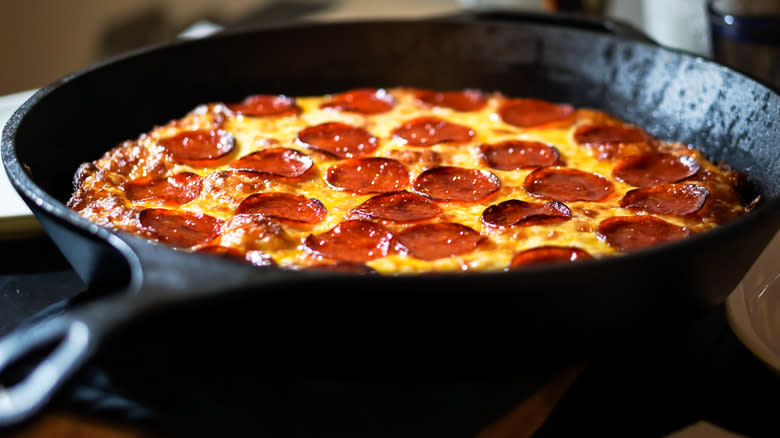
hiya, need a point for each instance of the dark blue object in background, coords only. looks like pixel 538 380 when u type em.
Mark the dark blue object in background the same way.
pixel 750 43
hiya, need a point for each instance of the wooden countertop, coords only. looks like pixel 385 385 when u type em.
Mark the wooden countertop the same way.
pixel 521 422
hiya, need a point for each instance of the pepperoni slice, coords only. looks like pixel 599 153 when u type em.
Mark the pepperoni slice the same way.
pixel 363 100
pixel 548 254
pixel 675 199
pixel 634 232
pixel 565 184
pixel 180 228
pixel 401 207
pixel 527 113
pixel 339 140
pixel 263 105
pixel 175 190
pixel 250 231
pixel 612 141
pixel 439 240
pixel 606 134
pixel 285 207
pixel 645 170
pixel 368 175
pixel 353 241
pixel 519 154
pixel 428 131
pixel 464 100
pixel 199 145
pixel 284 162
pixel 457 184
pixel 516 212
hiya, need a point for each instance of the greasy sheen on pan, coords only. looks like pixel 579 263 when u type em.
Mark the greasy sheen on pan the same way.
pixel 405 180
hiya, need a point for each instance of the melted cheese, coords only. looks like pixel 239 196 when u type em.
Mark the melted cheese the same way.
pixel 256 133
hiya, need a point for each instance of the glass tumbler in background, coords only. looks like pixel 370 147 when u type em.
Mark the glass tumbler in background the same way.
pixel 680 24
pixel 746 36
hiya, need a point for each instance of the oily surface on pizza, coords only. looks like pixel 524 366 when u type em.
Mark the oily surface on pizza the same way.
pixel 404 180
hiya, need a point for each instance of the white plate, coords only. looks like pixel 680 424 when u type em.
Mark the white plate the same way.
pixel 16 220
pixel 753 308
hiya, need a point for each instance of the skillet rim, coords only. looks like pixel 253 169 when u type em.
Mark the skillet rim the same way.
pixel 37 198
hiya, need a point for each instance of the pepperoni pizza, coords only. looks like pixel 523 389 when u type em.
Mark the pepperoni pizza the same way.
pixel 404 181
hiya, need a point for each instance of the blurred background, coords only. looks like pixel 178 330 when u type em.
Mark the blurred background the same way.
pixel 42 40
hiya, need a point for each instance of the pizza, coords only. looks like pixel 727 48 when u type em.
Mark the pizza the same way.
pixel 404 180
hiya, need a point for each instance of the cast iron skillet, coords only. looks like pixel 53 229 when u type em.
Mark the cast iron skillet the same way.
pixel 420 323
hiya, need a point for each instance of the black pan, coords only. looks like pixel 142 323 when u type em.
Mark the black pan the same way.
pixel 424 324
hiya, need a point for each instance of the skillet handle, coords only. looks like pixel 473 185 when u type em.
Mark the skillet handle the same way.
pixel 604 25
pixel 66 341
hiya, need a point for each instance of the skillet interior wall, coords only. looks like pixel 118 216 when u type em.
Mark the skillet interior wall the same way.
pixel 674 96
